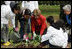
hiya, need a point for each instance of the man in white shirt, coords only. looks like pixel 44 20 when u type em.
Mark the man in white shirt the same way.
pixel 6 14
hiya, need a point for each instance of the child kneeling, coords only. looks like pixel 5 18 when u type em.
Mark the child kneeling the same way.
pixel 56 36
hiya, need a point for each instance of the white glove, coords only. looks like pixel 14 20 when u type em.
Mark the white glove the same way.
pixel 34 35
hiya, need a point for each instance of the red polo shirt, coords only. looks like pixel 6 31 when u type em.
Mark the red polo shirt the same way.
pixel 38 24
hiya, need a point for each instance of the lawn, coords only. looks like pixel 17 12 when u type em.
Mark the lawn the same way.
pixel 47 10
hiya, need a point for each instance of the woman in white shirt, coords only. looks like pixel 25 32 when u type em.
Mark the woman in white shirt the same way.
pixel 56 36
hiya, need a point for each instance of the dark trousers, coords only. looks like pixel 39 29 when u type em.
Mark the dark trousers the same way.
pixel 24 28
pixel 50 45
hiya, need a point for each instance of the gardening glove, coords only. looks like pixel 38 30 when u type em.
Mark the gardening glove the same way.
pixel 16 29
pixel 34 35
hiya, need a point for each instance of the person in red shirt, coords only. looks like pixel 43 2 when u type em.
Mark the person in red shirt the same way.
pixel 38 23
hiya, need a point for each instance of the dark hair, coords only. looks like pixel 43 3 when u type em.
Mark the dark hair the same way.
pixel 59 24
pixel 27 12
pixel 14 6
pixel 50 19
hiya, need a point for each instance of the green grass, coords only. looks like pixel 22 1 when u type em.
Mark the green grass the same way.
pixel 47 10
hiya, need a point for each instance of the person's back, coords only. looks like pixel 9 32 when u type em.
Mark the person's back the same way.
pixel 56 34
pixel 59 38
pixel 56 37
pixel 62 35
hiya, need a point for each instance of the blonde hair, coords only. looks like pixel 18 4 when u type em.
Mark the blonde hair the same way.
pixel 36 12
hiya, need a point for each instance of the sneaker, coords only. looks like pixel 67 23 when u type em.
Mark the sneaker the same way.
pixel 7 43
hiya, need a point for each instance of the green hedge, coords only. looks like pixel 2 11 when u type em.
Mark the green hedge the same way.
pixel 54 2
pixel 50 10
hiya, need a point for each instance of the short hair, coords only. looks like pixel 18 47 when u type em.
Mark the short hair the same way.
pixel 15 7
pixel 59 24
pixel 36 12
pixel 27 12
pixel 67 7
pixel 50 19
